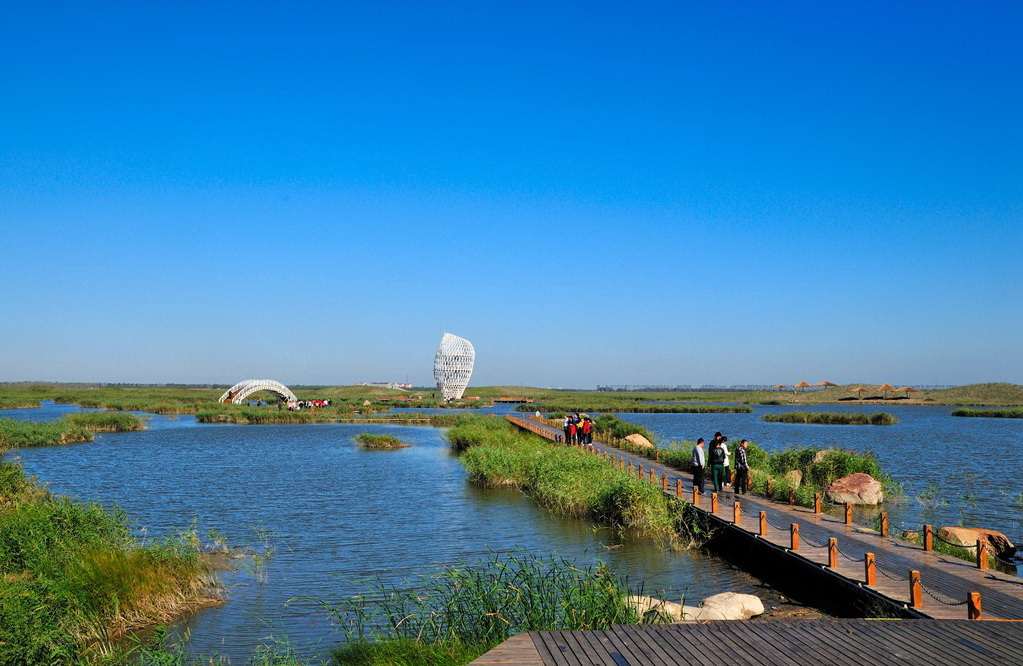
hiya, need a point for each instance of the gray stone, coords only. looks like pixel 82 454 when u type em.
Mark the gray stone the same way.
pixel 856 488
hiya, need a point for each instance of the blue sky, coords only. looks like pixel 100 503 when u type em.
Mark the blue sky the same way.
pixel 592 192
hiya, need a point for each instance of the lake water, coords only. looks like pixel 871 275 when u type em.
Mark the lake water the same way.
pixel 334 514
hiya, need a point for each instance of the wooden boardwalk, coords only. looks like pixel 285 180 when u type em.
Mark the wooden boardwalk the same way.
pixel 945 582
pixel 797 643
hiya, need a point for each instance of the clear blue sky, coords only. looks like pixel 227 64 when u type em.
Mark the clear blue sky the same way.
pixel 592 192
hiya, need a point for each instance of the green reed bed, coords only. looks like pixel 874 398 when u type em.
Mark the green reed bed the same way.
pixel 456 615
pixel 990 413
pixel 380 442
pixel 570 482
pixel 105 421
pixel 269 416
pixel 832 418
pixel 22 434
pixel 73 581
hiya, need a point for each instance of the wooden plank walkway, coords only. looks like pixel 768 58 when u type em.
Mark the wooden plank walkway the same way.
pixel 797 643
pixel 946 581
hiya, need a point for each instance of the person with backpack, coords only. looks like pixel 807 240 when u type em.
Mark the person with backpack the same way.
pixel 717 464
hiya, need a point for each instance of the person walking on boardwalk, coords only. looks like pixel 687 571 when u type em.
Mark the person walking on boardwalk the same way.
pixel 698 464
pixel 567 422
pixel 587 430
pixel 717 464
pixel 742 468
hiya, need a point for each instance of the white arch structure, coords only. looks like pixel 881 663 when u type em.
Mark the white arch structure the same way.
pixel 452 366
pixel 244 389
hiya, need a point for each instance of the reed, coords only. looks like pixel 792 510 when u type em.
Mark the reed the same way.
pixel 105 421
pixel 20 434
pixel 629 406
pixel 461 612
pixel 832 418
pixel 383 442
pixel 990 413
pixel 74 581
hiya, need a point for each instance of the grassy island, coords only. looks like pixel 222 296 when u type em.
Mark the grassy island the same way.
pixel 380 442
pixel 832 418
pixel 990 413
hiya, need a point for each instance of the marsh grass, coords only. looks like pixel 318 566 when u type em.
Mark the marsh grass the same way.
pixel 570 482
pixel 990 413
pixel 597 404
pixel 381 442
pixel 832 418
pixel 458 614
pixel 74 581
pixel 105 421
pixel 19 434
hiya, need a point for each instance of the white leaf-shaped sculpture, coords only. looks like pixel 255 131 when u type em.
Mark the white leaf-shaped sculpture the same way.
pixel 452 366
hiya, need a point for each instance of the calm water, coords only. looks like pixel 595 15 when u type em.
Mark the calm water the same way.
pixel 333 513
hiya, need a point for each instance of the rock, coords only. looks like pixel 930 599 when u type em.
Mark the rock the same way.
pixel 856 488
pixel 819 456
pixel 366 403
pixel 732 606
pixel 995 542
pixel 652 609
pixel 794 478
pixel 639 440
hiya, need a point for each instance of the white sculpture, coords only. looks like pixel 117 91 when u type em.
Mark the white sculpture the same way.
pixel 452 366
pixel 242 390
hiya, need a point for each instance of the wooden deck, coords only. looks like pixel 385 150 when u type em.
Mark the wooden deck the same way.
pixel 797 643
pixel 946 581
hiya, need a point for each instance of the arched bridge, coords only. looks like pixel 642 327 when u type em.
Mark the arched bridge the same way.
pixel 242 390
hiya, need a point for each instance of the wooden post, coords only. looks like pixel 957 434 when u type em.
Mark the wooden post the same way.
pixel 833 552
pixel 736 514
pixel 916 592
pixel 884 525
pixel 714 503
pixel 640 472
pixel 696 496
pixel 632 468
pixel 664 483
pixel 657 455
pixel 763 524
pixel 792 495
pixel 621 463
pixel 816 502
pixel 973 606
pixel 848 514
pixel 653 476
pixel 678 487
pixel 794 529
pixel 928 537
pixel 870 569
pixel 768 493
pixel 981 555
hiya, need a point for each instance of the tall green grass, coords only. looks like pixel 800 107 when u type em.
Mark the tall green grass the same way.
pixel 569 481
pixel 105 421
pixel 460 613
pixel 72 580
pixel 603 405
pixel 832 418
pixel 990 413
pixel 20 434
pixel 369 441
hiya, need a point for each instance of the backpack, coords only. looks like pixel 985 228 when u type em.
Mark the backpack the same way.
pixel 717 456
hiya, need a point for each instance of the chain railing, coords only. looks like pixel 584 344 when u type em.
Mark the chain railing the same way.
pixel 940 600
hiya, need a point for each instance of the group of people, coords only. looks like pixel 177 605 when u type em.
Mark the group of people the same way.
pixel 578 430
pixel 717 457
pixel 299 405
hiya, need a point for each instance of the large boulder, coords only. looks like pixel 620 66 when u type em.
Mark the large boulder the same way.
pixel 640 441
pixel 732 606
pixel 651 609
pixel 995 542
pixel 856 488
pixel 794 478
